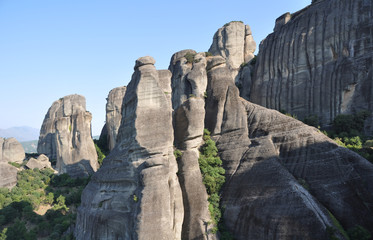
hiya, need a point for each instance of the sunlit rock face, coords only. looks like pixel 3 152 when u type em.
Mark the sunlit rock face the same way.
pixel 10 151
pixel 136 193
pixel 235 43
pixel 65 135
pixel 113 116
pixel 318 61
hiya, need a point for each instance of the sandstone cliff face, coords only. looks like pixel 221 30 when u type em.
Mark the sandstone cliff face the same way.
pixel 283 177
pixel 65 135
pixel 318 61
pixel 235 43
pixel 189 82
pixel 136 194
pixel 10 151
pixel 113 115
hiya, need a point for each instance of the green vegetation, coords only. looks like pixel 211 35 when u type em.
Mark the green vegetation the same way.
pixel 14 164
pixel 357 233
pixel 100 155
pixel 70 128
pixel 232 22
pixel 135 198
pixel 39 190
pixel 208 54
pixel 347 131
pixel 336 225
pixel 213 178
pixel 312 120
pixel 190 57
pixel 288 114
pixel 177 154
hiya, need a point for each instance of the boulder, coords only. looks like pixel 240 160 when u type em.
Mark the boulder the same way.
pixel 40 163
pixel 11 151
pixel 65 135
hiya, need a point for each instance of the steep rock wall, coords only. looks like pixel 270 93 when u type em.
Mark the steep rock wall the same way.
pixel 284 179
pixel 318 61
pixel 189 82
pixel 136 193
pixel 113 115
pixel 65 135
pixel 235 43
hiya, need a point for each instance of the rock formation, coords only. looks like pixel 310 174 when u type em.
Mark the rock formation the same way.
pixel 10 151
pixel 65 135
pixel 235 43
pixel 113 116
pixel 284 179
pixel 136 193
pixel 40 163
pixel 318 61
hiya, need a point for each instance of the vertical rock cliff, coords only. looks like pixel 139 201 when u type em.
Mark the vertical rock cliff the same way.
pixel 65 135
pixel 10 151
pixel 235 43
pixel 318 61
pixel 136 193
pixel 189 82
pixel 113 116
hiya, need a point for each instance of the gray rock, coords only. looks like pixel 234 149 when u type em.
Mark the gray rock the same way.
pixel 40 163
pixel 235 43
pixel 11 151
pixel 318 62
pixel 114 114
pixel 65 135
pixel 8 175
pixel 136 193
pixel 281 172
pixel 189 88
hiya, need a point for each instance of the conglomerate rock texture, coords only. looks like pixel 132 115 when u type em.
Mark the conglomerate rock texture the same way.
pixel 10 151
pixel 318 61
pixel 65 135
pixel 284 179
pixel 234 42
pixel 136 193
pixel 113 115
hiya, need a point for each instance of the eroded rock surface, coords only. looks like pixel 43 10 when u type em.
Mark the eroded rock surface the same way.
pixel 284 178
pixel 10 151
pixel 189 82
pixel 318 61
pixel 235 43
pixel 40 163
pixel 136 193
pixel 114 115
pixel 65 135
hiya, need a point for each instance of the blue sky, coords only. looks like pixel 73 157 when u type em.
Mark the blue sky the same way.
pixel 53 48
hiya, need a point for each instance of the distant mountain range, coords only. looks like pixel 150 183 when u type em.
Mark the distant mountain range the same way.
pixel 22 134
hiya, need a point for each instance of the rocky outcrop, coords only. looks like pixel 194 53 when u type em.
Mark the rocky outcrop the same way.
pixel 189 82
pixel 285 180
pixel 136 193
pixel 318 61
pixel 65 135
pixel 235 43
pixel 113 115
pixel 10 151
pixel 40 163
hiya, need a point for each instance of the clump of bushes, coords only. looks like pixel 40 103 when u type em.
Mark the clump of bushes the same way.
pixel 35 188
pixel 213 176
pixel 190 57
